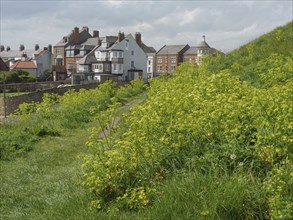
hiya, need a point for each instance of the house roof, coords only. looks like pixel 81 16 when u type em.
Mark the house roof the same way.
pixel 17 53
pixel 147 49
pixel 89 58
pixel 23 65
pixel 171 49
pixel 67 40
pixel 92 41
pixel 191 50
pixel 203 44
pixel 3 66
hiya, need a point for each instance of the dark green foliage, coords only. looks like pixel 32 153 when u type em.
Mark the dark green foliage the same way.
pixel 18 76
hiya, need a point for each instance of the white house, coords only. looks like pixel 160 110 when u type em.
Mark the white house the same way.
pixel 134 59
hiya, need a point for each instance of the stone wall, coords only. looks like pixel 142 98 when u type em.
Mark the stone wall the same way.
pixel 12 102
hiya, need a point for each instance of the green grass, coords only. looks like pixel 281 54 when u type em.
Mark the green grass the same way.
pixel 44 184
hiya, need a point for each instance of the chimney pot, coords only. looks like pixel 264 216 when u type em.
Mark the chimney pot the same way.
pixel 203 37
pixel 7 48
pixel 21 47
pixel 50 48
pixel 37 47
pixel 2 48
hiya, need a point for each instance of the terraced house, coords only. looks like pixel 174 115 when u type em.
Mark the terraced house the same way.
pixel 36 60
pixel 118 57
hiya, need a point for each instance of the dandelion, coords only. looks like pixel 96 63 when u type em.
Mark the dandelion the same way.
pixel 232 156
pixel 241 164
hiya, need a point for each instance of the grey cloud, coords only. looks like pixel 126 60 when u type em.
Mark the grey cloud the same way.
pixel 226 24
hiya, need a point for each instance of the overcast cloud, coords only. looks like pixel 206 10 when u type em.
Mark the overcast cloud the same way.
pixel 226 24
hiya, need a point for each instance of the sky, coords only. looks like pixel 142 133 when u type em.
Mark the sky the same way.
pixel 226 24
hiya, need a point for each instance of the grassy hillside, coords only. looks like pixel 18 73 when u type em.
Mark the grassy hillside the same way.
pixel 210 141
pixel 270 52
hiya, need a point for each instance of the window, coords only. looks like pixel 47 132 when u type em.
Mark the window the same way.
pixel 149 69
pixel 173 67
pixel 59 61
pixel 58 51
pixel 120 54
pixel 107 67
pixel 159 60
pixel 126 44
pixel 159 67
pixel 166 60
pixel 69 66
pixel 115 67
pixel 132 64
pixel 100 67
pixel 149 62
pixel 173 60
pixel 166 68
pixel 120 67
pixel 132 53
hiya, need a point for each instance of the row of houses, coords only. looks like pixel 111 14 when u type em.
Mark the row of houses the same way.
pixel 86 56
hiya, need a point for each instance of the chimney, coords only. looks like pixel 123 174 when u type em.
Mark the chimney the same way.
pixel 85 28
pixel 75 36
pixel 50 48
pixel 96 33
pixel 120 36
pixel 203 37
pixel 45 48
pixel 138 38
pixel 21 47
pixel 7 48
pixel 37 47
pixel 2 48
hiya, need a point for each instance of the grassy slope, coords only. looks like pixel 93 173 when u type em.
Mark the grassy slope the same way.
pixel 44 183
pixel 279 41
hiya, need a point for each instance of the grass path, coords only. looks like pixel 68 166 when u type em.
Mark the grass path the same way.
pixel 44 183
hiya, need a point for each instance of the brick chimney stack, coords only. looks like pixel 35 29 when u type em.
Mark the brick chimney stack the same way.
pixel 138 38
pixel 75 36
pixel 96 33
pixel 120 36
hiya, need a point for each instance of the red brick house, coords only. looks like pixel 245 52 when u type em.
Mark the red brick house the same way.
pixel 169 57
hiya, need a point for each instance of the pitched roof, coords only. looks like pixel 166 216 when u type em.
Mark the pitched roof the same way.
pixel 23 65
pixel 171 49
pixel 3 66
pixel 17 53
pixel 147 49
pixel 191 50
pixel 66 40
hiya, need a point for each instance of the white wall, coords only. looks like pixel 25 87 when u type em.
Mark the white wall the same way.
pixel 138 56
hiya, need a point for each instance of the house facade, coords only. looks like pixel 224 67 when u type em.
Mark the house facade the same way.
pixel 169 57
pixel 117 57
pixel 70 46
